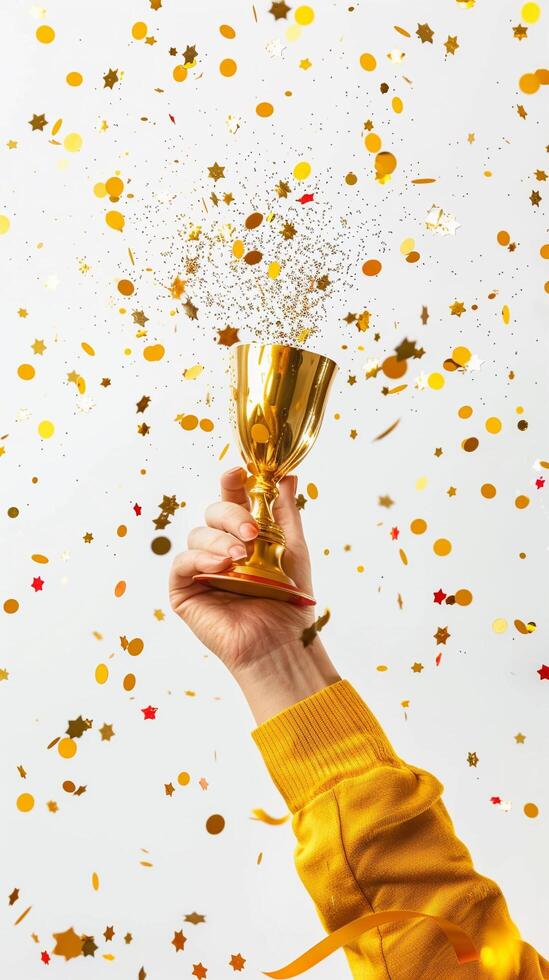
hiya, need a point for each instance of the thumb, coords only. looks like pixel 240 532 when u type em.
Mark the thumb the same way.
pixel 296 559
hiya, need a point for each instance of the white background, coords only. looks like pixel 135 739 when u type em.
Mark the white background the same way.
pixel 487 688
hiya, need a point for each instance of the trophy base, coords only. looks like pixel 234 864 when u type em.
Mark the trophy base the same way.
pixel 256 585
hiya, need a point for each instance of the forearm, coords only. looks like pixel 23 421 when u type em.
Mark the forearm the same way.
pixel 277 679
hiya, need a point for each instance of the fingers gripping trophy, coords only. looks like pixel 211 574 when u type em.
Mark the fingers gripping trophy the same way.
pixel 278 399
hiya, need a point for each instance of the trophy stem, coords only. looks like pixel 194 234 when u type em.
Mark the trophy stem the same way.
pixel 263 495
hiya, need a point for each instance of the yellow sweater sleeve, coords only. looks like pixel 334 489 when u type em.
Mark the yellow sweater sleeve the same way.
pixel 373 834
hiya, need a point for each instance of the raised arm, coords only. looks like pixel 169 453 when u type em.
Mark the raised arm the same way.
pixel 372 831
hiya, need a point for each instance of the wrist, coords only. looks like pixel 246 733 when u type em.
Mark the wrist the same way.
pixel 277 679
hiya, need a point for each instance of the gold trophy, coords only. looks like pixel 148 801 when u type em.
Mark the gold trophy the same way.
pixel 279 396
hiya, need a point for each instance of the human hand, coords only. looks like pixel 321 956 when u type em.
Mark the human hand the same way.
pixel 259 640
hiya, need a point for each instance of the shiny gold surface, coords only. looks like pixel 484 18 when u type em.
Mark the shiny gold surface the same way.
pixel 278 399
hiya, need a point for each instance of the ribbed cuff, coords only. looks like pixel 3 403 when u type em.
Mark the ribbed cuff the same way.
pixel 312 745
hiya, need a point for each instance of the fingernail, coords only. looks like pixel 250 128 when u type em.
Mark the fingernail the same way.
pixel 237 470
pixel 215 560
pixel 248 531
pixel 237 551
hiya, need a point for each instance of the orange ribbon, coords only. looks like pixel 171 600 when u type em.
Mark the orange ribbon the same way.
pixel 458 939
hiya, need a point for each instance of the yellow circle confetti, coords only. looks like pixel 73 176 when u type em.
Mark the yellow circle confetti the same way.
pixel 397 105
pixel 530 13
pixel 312 491
pixel 25 802
pixel 11 606
pixel 26 372
pixel 529 84
pixel 259 432
pixel 522 501
pixel 206 425
pixel 302 170
pixel 227 31
pixel 67 748
pixel 488 490
pixel 73 142
pixel 189 422
pixel 46 429
pixel 46 34
pixel 421 483
pixel 179 73
pixel 135 646
pixel 114 187
pixel 465 412
pixel 101 673
pixel 100 189
pixel 183 779
pixel 238 249
pixel 74 79
pixel 500 625
pixel 95 881
pixel 293 32
pixel 372 143
pixel 304 16
pixel 274 270
pixel 493 425
pixel 435 381
pixel 4 224
pixel 461 355
pixel 442 547
pixel 464 597
pixel 531 810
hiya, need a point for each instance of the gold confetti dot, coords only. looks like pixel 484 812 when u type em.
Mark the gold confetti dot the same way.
pixel 463 597
pixel 351 179
pixel 382 668
pixel 26 372
pixel 100 189
pixel 442 547
pixel 461 355
pixel 465 412
pixel 154 353
pixel 139 30
pixel 372 143
pixel 67 748
pixel 385 163
pixel 11 606
pixel 74 79
pixel 493 425
pixel 418 526
pixel 500 625
pixel 189 422
pixel 114 187
pixel 125 287
pixel 544 251
pixel 488 490
pixel 264 109
pixel 129 682
pixel 68 786
pixel 13 512
pixel 161 545
pixel 215 824
pixel 101 673
pixel 183 778
pixel 227 31
pixel 531 810
pixel 25 802
pixel 135 646
pixel 302 170
pixel 238 249
pixel 115 220
pixel 87 348
pixel 503 237
pixel 312 491
pixel 397 105
pixel 522 501
pixel 122 530
pixel 119 589
pixel 228 67
pixel 95 881
pixel 206 425
pixel 274 270
pixel 529 84
pixel 4 224
pixel 179 73
pixel 45 34
pixel 403 556
pixel 470 444
pixel 46 429
pixel 368 62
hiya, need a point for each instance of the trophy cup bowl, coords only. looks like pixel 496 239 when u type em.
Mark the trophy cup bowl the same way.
pixel 279 396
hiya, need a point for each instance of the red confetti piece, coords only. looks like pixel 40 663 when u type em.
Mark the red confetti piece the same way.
pixel 306 198
pixel 171 117
pixel 45 957
pixel 543 672
pixel 137 510
pixel 38 584
pixel 496 800
pixel 439 597
pixel 540 482
pixel 149 712
pixel 394 533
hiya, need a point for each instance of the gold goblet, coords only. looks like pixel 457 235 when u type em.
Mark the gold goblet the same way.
pixel 279 396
